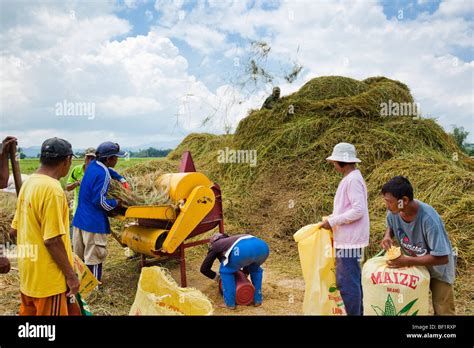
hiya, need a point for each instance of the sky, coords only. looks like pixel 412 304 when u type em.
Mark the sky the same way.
pixel 151 72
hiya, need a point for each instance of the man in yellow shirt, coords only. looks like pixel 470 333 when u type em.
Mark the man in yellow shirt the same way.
pixel 41 224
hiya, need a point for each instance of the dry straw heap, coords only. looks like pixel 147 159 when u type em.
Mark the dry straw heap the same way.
pixel 142 179
pixel 293 185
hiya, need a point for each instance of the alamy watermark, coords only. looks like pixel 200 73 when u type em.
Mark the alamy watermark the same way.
pixel 237 156
pixel 75 109
pixel 21 251
pixel 28 330
pixel 349 251
pixel 400 109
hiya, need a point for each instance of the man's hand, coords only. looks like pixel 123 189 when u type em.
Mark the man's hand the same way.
pixel 217 278
pixel 401 261
pixel 4 265
pixel 121 203
pixel 127 186
pixel 386 242
pixel 73 285
pixel 13 234
pixel 6 144
pixel 72 186
pixel 326 225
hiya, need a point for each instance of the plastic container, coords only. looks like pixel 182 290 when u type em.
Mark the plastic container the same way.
pixel 244 289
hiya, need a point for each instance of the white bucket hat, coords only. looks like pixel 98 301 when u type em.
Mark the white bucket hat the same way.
pixel 344 152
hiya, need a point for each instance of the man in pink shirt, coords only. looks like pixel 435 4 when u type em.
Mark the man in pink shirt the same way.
pixel 350 224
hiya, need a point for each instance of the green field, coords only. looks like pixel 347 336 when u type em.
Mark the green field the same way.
pixel 29 165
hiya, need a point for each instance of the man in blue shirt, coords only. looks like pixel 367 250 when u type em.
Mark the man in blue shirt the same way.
pixel 77 173
pixel 91 223
pixel 420 232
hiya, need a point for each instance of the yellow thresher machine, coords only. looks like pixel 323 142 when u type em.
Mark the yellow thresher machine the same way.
pixel 161 231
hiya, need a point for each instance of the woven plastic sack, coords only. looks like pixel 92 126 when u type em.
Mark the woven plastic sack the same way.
pixel 317 260
pixel 394 291
pixel 158 294
pixel 86 278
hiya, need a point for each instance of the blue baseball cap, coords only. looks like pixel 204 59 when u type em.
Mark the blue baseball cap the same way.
pixel 109 149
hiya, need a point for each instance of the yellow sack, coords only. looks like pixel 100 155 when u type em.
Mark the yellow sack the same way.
pixel 321 295
pixel 158 294
pixel 394 291
pixel 86 278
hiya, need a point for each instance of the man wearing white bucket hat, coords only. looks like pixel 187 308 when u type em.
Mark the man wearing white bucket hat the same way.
pixel 349 222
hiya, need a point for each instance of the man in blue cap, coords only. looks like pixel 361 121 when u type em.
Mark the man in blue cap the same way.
pixel 91 223
pixel 77 173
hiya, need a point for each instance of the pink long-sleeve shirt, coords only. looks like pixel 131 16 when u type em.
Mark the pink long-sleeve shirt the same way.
pixel 350 218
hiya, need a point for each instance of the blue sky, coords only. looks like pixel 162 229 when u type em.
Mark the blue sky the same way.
pixel 156 70
pixel 401 10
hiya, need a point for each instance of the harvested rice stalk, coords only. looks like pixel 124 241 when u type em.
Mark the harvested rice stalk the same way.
pixel 117 191
pixel 144 191
pixel 7 211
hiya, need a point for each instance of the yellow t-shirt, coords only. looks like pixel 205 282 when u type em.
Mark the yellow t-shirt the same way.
pixel 41 213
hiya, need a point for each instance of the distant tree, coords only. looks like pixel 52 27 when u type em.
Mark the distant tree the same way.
pixel 150 152
pixel 470 150
pixel 460 136
pixel 20 151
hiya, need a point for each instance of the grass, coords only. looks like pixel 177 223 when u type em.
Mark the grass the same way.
pixel 30 165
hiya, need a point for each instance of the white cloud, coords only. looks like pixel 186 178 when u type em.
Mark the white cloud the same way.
pixel 115 106
pixel 135 84
pixel 142 87
pixel 131 3
pixel 198 36
pixel 139 86
pixel 149 15
pixel 451 8
pixel 221 110
pixel 55 32
pixel 170 11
